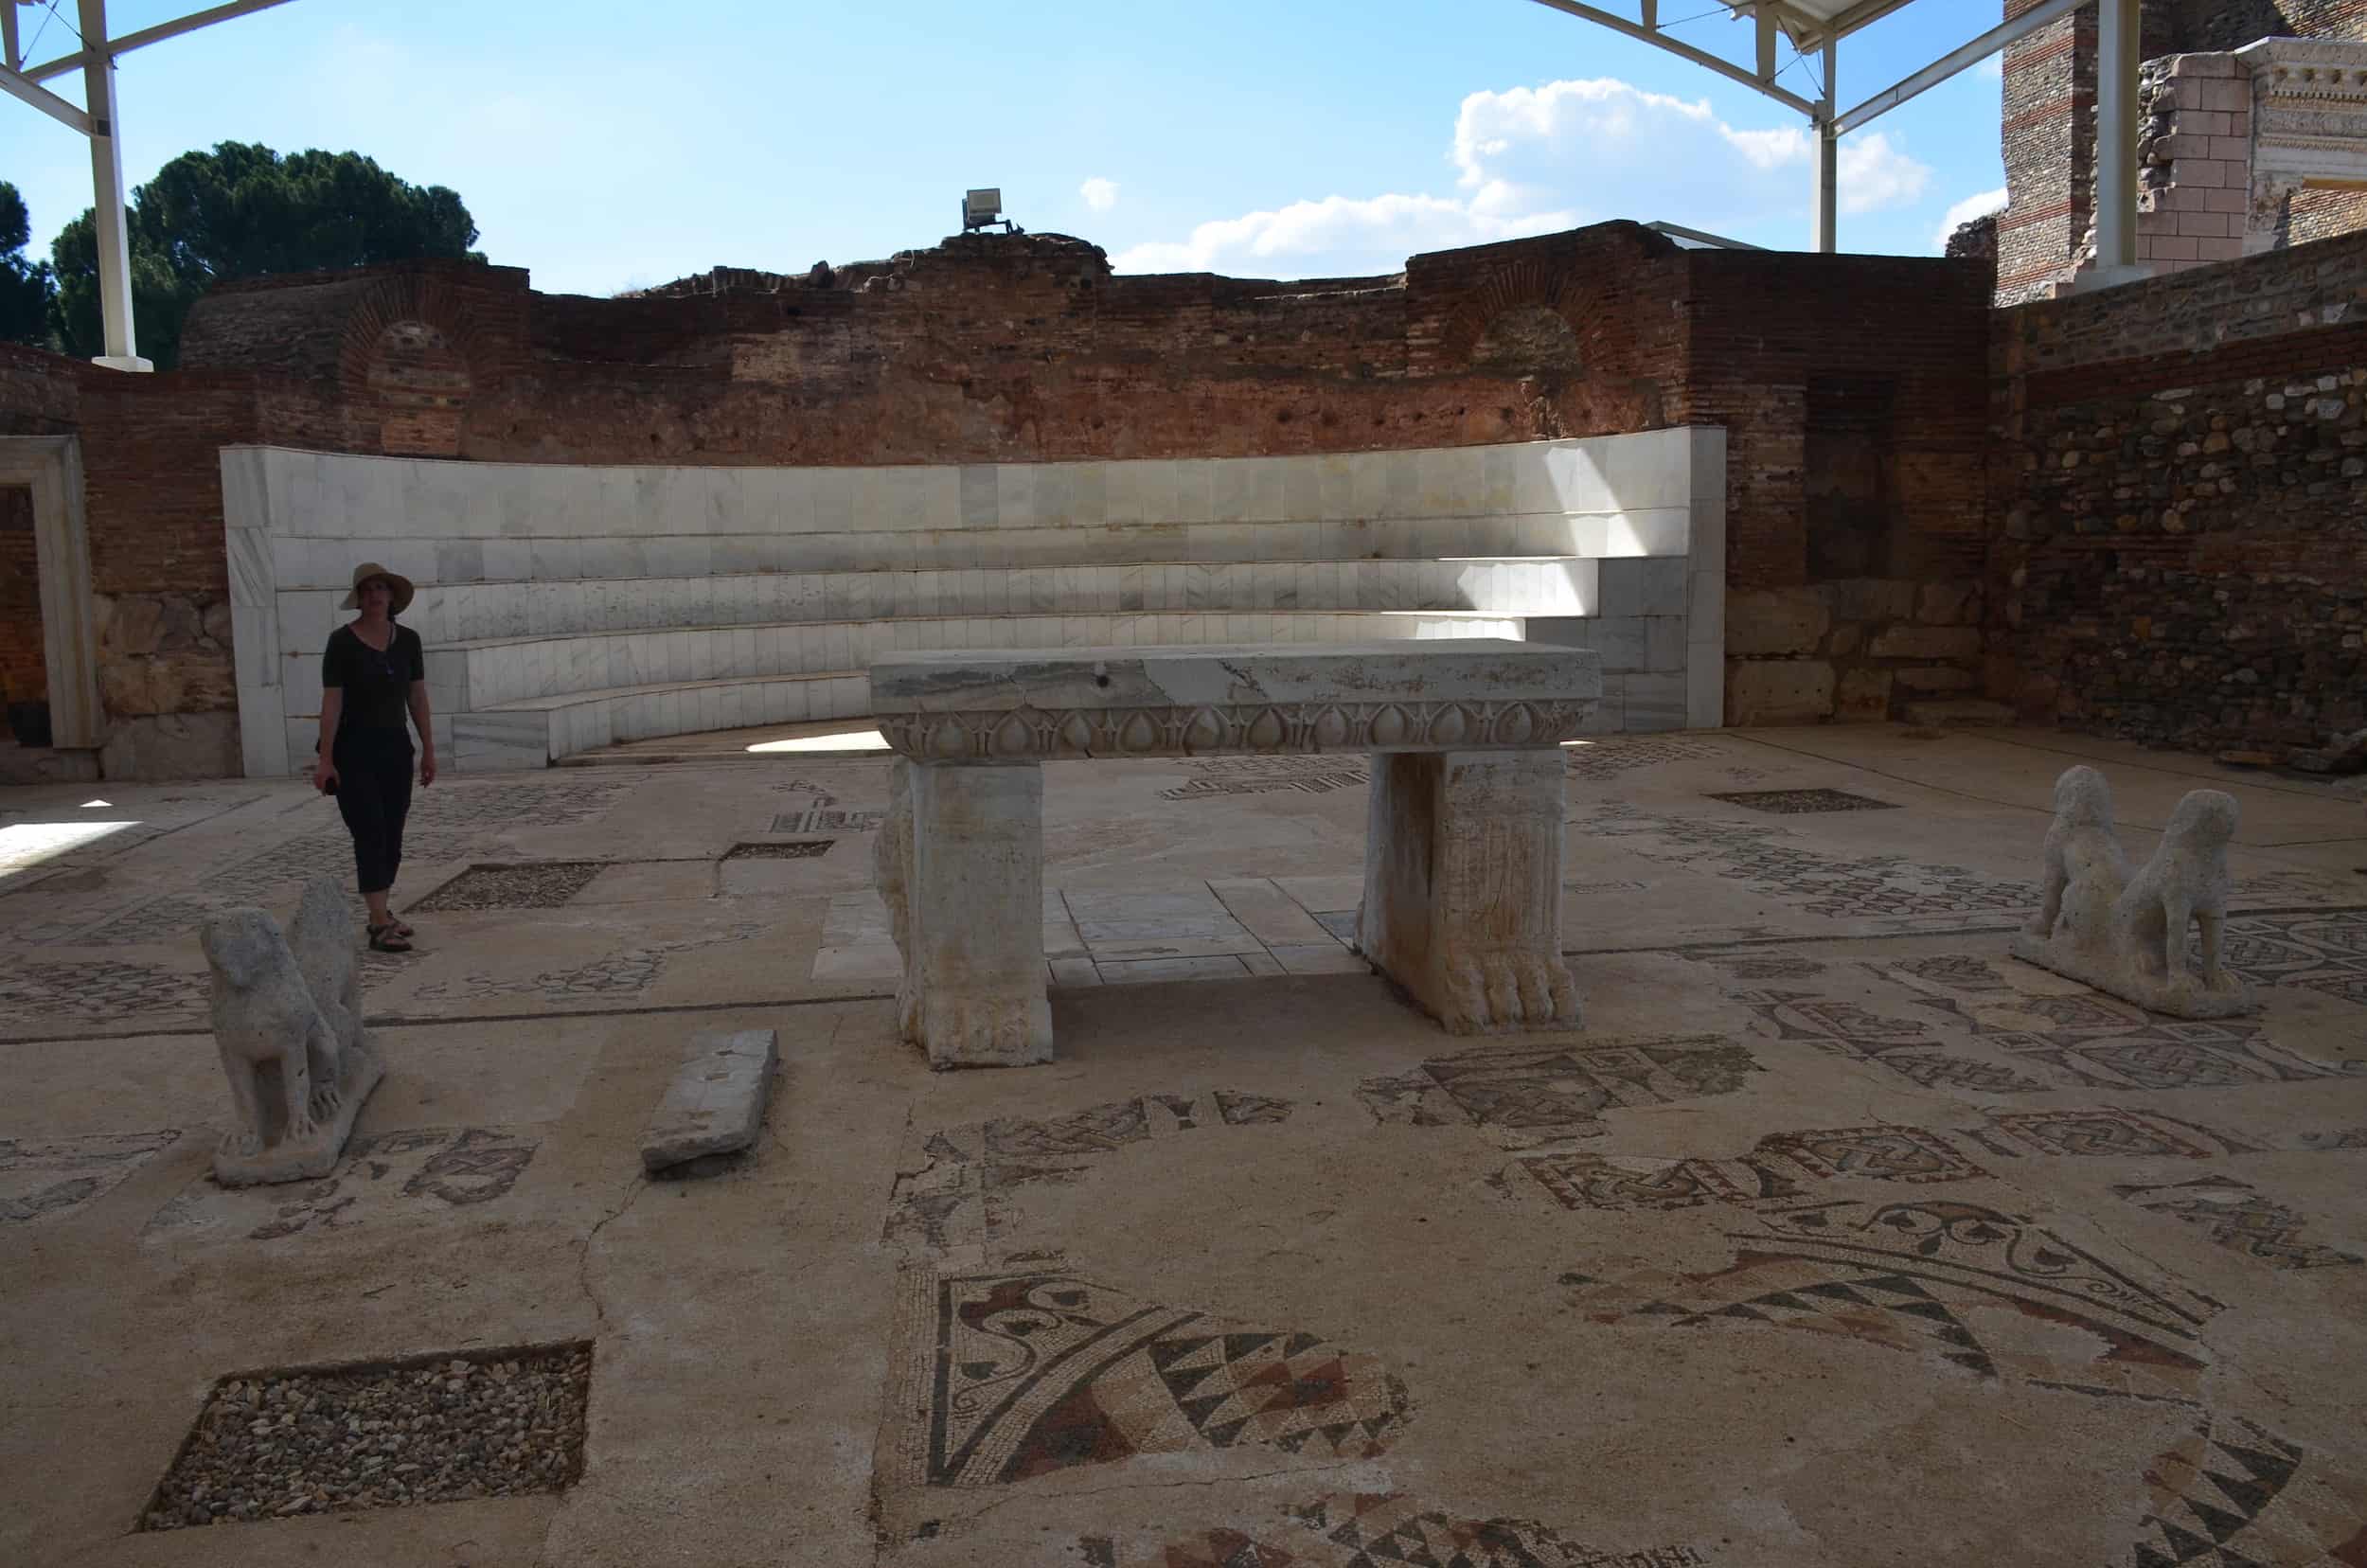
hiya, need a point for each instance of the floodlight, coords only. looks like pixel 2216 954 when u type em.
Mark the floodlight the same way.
pixel 981 208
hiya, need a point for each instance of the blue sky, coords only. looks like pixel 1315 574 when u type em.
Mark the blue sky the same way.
pixel 607 146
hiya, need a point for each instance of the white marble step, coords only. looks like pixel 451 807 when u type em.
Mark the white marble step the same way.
pixel 532 729
pixel 447 613
pixel 471 677
pixel 540 731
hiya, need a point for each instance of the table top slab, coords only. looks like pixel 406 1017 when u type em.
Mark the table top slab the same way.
pixel 1016 706
pixel 1058 680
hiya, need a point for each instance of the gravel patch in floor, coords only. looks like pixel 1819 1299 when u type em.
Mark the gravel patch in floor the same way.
pixel 542 886
pixel 277 1444
pixel 812 850
pixel 1795 802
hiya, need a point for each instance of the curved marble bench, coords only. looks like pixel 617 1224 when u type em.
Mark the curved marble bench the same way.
pixel 1461 904
pixel 566 607
pixel 560 696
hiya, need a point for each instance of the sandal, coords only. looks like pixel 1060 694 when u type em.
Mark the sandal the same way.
pixel 387 939
pixel 403 929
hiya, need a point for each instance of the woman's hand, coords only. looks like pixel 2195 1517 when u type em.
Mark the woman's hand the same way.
pixel 324 774
pixel 427 766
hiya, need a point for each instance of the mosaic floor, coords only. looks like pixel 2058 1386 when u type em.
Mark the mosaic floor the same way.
pixel 1838 1237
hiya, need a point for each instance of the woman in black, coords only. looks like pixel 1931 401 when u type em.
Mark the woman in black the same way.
pixel 373 674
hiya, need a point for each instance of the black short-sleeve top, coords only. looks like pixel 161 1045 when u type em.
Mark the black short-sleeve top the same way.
pixel 377 685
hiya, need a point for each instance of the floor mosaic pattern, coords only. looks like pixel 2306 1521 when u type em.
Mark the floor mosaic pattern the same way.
pixel 1839 887
pixel 1038 1371
pixel 1370 1530
pixel 957 1195
pixel 1218 776
pixel 386 1176
pixel 1534 1094
pixel 51 1180
pixel 1836 1236
pixel 1970 1286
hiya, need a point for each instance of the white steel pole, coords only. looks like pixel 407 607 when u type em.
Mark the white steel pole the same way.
pixel 106 169
pixel 2116 135
pixel 1827 161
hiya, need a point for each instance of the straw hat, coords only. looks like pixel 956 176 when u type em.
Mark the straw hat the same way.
pixel 369 569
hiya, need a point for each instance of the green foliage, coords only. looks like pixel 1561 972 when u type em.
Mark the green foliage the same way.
pixel 26 288
pixel 242 211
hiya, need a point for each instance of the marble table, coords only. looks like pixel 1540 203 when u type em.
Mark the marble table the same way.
pixel 1462 905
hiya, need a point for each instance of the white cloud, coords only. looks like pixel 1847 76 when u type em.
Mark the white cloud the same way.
pixel 1966 211
pixel 1355 235
pixel 1534 159
pixel 1993 67
pixel 1100 194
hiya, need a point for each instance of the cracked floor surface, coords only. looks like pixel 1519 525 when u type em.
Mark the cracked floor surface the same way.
pixel 1837 1235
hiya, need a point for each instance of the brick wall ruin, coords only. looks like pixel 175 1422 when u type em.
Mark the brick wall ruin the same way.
pixel 1852 391
pixel 24 674
pixel 1851 388
pixel 2207 193
pixel 2180 494
pixel 1928 500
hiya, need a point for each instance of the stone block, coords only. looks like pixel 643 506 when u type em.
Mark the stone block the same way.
pixel 1776 691
pixel 195 681
pixel 1641 585
pixel 124 688
pixel 1927 642
pixel 1948 603
pixel 130 623
pixel 171 745
pixel 1864 694
pixel 1936 678
pixel 177 625
pixel 1962 712
pixel 1868 598
pixel 715 1103
pixel 1792 620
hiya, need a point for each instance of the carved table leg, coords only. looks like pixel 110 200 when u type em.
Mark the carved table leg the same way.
pixel 972 927
pixel 1462 887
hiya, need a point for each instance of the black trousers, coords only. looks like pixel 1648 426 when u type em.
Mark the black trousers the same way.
pixel 374 796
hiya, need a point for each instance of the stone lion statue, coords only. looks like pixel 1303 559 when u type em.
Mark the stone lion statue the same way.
pixel 268 1030
pixel 2127 935
pixel 287 1018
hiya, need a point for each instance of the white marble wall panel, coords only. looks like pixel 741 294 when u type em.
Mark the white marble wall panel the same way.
pixel 737 575
pixel 1705 585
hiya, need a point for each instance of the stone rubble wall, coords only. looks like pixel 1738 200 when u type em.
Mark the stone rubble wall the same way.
pixel 2179 492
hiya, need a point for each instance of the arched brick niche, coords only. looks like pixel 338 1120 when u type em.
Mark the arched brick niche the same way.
pixel 408 363
pixel 1528 338
pixel 418 386
pixel 1510 308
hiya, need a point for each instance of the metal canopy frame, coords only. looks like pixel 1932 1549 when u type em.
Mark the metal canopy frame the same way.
pixel 1817 26
pixel 96 122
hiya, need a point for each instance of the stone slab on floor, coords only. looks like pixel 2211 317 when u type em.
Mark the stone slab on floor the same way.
pixel 715 1103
